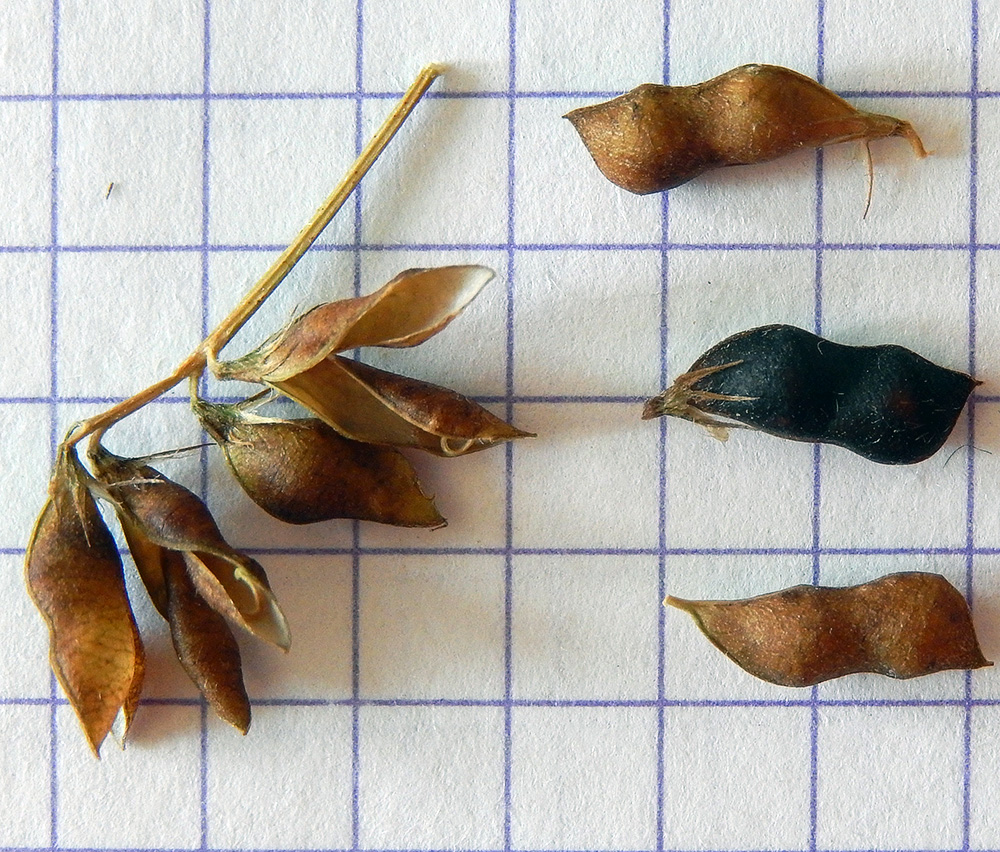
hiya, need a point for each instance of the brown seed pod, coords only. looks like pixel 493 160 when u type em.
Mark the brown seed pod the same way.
pixel 74 575
pixel 302 471
pixel 205 645
pixel 157 513
pixel 657 137
pixel 369 405
pixel 901 625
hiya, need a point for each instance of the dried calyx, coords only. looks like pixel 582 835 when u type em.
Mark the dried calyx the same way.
pixel 657 137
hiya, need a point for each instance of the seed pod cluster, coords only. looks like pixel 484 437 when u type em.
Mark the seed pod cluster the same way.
pixel 901 625
pixel 655 137
pixel 885 403
pixel 342 463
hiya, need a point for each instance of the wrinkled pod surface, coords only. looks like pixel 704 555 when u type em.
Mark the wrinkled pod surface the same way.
pixel 885 402
pixel 658 137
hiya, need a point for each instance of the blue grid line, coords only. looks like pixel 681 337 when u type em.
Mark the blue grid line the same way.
pixel 203 456
pixel 499 247
pixel 643 703
pixel 661 619
pixel 517 94
pixel 508 578
pixel 54 691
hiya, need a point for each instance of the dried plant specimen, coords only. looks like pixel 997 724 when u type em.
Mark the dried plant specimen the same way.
pixel 300 470
pixel 885 403
pixel 657 137
pixel 74 574
pixel 901 625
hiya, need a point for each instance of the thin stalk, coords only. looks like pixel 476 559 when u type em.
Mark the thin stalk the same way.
pixel 194 365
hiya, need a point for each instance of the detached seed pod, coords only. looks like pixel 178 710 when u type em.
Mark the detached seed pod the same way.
pixel 658 137
pixel 302 471
pixel 74 575
pixel 902 625
pixel 159 515
pixel 885 403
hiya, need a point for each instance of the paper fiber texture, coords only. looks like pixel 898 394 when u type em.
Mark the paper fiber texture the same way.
pixel 511 681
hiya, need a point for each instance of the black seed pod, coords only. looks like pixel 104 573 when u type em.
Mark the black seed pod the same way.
pixel 885 403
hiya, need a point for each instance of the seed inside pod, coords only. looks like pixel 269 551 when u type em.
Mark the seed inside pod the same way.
pixel 657 137
pixel 885 403
pixel 902 625
pixel 302 471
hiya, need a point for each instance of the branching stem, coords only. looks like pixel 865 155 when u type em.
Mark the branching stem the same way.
pixel 194 365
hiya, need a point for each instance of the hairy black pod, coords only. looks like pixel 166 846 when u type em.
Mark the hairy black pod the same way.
pixel 885 403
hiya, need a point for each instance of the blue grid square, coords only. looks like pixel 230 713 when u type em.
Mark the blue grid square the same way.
pixel 587 631
pixel 709 38
pixel 984 776
pixel 987 319
pixel 444 180
pixel 272 163
pixel 106 803
pixel 287 46
pixel 769 504
pixel 25 456
pixel 553 173
pixel 567 289
pixel 25 795
pixel 694 669
pixel 869 48
pixel 275 804
pixel 157 194
pixel 26 128
pixel 624 45
pixel 432 627
pixel 26 675
pixel 736 778
pixel 908 205
pixel 852 569
pixel 589 480
pixel 883 767
pixel 318 668
pixel 26 325
pixel 143 47
pixel 125 320
pixel 986 619
pixel 988 42
pixel 986 500
pixel 26 49
pixel 431 778
pixel 988 172
pixel 555 750
pixel 474 46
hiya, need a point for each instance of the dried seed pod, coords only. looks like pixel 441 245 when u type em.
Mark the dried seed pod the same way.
pixel 658 137
pixel 885 403
pixel 74 575
pixel 902 625
pixel 369 405
pixel 156 512
pixel 411 308
pixel 302 471
pixel 205 645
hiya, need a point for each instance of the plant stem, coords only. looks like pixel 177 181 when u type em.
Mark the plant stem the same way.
pixel 194 364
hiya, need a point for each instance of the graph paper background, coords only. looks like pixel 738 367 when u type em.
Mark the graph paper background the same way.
pixel 511 682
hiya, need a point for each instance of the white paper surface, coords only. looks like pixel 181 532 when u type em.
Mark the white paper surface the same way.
pixel 511 681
